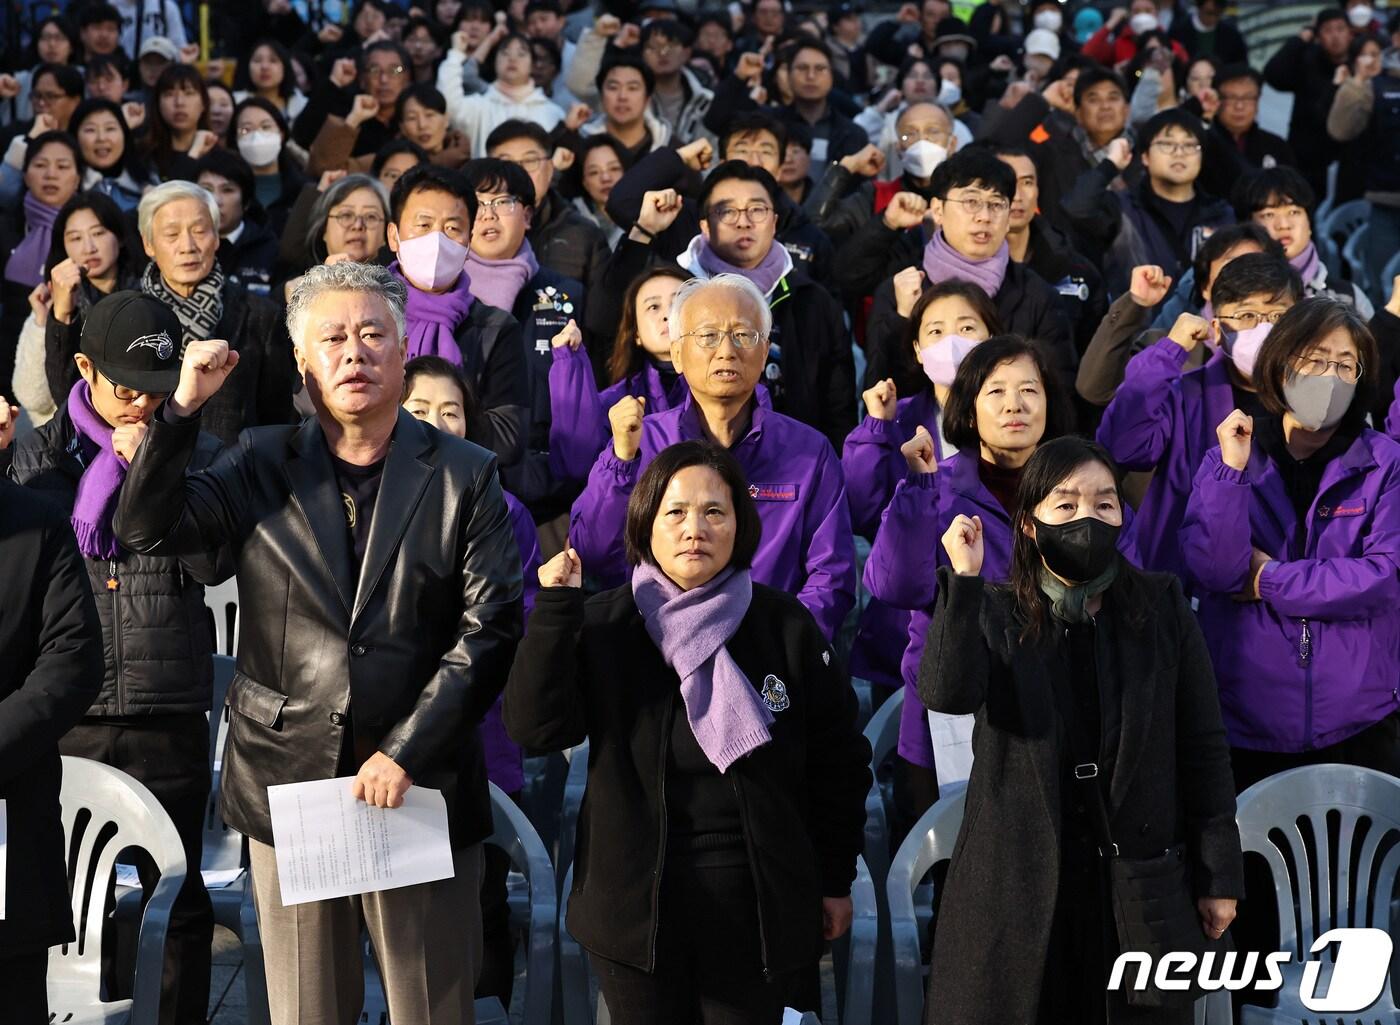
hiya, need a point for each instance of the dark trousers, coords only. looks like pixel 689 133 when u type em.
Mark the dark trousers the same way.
pixel 497 977
pixel 170 755
pixel 709 965
pixel 1256 928
pixel 23 985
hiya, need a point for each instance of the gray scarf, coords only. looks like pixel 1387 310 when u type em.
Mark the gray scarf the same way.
pixel 199 314
pixel 1067 602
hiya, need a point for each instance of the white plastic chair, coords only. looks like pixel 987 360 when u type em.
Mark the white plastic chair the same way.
pixel 1343 221
pixel 1346 883
pixel 105 811
pixel 883 734
pixel 222 602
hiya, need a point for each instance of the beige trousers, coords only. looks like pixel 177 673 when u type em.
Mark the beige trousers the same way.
pixel 426 939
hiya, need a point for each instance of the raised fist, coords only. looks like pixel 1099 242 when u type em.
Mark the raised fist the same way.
pixel 919 452
pixel 1149 285
pixel 908 286
pixel 696 155
pixel 880 400
pixel 866 163
pixel 564 570
pixel 343 72
pixel 1236 434
pixel 363 109
pixel 203 371
pixel 625 417
pixel 659 210
pixel 906 210
pixel 1120 151
pixel 568 335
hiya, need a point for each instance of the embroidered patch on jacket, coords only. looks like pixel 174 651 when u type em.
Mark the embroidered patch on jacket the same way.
pixel 775 694
pixel 1349 507
pixel 773 492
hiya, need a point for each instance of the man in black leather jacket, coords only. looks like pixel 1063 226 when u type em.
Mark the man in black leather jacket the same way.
pixel 381 586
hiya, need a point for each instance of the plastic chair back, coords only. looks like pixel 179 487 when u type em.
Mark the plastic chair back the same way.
pixel 104 812
pixel 222 602
pixel 514 835
pixel 1344 221
pixel 572 804
pixel 854 955
pixel 1331 837
pixel 883 734
pixel 1354 256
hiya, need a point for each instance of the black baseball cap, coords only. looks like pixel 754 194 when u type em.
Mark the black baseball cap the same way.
pixel 134 340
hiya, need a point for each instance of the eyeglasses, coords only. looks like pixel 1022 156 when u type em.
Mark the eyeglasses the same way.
pixel 1349 370
pixel 659 49
pixel 975 205
pixel 501 206
pixel 1250 319
pixel 756 214
pixel 740 152
pixel 934 135
pixel 46 97
pixel 130 395
pixel 1239 100
pixel 709 338
pixel 384 72
pixel 347 219
pixel 1177 149
pixel 529 164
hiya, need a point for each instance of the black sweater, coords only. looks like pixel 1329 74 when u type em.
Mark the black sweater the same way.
pixel 588 669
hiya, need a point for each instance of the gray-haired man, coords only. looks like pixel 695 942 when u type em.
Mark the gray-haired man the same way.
pixel 380 583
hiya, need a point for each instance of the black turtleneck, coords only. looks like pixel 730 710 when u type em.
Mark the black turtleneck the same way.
pixel 1001 481
pixel 1302 478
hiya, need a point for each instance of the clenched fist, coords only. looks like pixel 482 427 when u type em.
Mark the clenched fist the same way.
pixel 906 210
pixel 568 335
pixel 1189 331
pixel 203 371
pixel 696 155
pixel 908 286
pixel 659 210
pixel 361 110
pixel 564 570
pixel 626 420
pixel 63 283
pixel 1149 285
pixel 867 163
pixel 1120 151
pixel 919 452
pixel 963 543
pixel 127 438
pixel 1236 434
pixel 880 400
pixel 9 415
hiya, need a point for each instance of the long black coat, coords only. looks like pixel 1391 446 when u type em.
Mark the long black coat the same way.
pixel 415 649
pixel 50 671
pixel 1170 781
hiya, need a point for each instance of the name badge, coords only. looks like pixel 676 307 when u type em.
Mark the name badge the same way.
pixel 773 492
pixel 1348 507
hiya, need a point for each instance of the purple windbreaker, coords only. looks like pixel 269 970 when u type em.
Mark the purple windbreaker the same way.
pixel 1317 659
pixel 795 479
pixel 1165 421
pixel 873 466
pixel 504 762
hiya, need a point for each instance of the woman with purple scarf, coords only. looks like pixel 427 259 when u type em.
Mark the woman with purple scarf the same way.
pixel 726 777
pixel 53 173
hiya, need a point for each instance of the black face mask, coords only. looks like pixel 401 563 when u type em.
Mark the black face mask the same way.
pixel 1077 551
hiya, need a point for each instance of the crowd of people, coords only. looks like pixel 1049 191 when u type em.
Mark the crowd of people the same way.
pixel 1002 362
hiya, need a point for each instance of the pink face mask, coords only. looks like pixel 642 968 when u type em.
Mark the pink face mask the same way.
pixel 942 356
pixel 1243 346
pixel 432 261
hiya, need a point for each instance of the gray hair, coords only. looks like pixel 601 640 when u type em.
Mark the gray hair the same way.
pixel 169 192
pixel 328 200
pixel 734 282
pixel 346 276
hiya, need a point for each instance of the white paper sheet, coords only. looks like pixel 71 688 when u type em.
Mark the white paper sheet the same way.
pixel 331 845
pixel 952 746
pixel 4 833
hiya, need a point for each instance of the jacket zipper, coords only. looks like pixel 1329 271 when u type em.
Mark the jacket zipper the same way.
pixel 114 587
pixel 661 847
pixel 1305 653
pixel 753 871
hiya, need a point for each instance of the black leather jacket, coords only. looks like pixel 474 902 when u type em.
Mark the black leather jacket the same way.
pixel 409 655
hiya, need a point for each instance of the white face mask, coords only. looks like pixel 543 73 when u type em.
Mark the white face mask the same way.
pixel 921 158
pixel 949 93
pixel 1361 16
pixel 260 148
pixel 1142 22
pixel 1051 21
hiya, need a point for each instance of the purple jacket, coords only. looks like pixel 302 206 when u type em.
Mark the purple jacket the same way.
pixel 1317 659
pixel 904 561
pixel 504 762
pixel 1164 420
pixel 873 465
pixel 795 478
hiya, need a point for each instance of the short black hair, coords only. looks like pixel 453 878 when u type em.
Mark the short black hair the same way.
pixel 806 42
pixel 108 214
pixel 736 170
pixel 799 134
pixel 1172 117
pixel 1221 241
pixel 626 60
pixel 393 148
pixel 1328 14
pixel 426 94
pixel 229 164
pixel 650 491
pixel 550 48
pixel 668 28
pixel 1299 330
pixel 1272 186
pixel 99 14
pixel 543 7
pixel 1002 149
pixel 1235 72
pixel 971 167
pixel 65 76
pixel 960 414
pixel 1096 75
pixel 487 174
pixel 439 34
pixel 750 122
pixel 431 178
pixel 436 366
pixel 509 131
pixel 243 78
pixel 384 46
pixel 969 293
pixel 117 61
pixel 716 18
pixel 60 138
pixel 1255 274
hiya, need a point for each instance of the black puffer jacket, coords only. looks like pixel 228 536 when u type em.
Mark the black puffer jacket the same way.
pixel 156 637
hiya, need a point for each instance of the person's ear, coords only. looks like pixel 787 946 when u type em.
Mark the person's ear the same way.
pixel 146 245
pixel 529 217
pixel 705 227
pixel 935 210
pixel 1028 526
pixel 391 236
pixel 85 368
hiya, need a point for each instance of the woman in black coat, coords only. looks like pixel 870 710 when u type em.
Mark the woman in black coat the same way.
pixel 719 831
pixel 1081 661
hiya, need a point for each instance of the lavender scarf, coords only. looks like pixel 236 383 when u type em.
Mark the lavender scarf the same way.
pixel 101 481
pixel 691 628
pixel 498 282
pixel 1306 264
pixel 26 263
pixel 943 263
pixel 704 262
pixel 433 318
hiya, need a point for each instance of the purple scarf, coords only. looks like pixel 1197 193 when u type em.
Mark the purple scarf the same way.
pixel 434 317
pixel 691 628
pixel 707 263
pixel 26 264
pixel 498 282
pixel 944 263
pixel 101 481
pixel 1306 264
